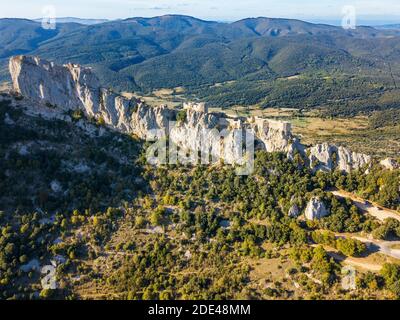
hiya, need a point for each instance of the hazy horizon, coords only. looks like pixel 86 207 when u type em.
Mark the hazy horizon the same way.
pixel 370 12
pixel 373 21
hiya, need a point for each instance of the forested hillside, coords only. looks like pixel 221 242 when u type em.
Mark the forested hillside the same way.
pixel 269 62
pixel 81 197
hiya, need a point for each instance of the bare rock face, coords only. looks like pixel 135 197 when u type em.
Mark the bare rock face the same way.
pixel 195 129
pixel 67 87
pixel 145 119
pixel 327 157
pixel 294 211
pixel 276 136
pixel 316 209
pixel 390 164
pixel 73 87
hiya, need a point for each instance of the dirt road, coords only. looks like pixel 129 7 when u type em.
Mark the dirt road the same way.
pixel 385 247
pixel 355 262
pixel 374 210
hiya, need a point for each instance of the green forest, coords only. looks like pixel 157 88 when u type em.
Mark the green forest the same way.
pixel 124 229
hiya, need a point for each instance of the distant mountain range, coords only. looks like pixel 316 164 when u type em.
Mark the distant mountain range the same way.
pixel 142 54
pixel 76 20
pixel 389 27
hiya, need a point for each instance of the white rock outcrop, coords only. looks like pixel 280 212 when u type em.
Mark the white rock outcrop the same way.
pixel 276 136
pixel 72 87
pixel 316 209
pixel 328 157
pixel 67 87
pixel 294 211
pixel 390 164
pixel 199 107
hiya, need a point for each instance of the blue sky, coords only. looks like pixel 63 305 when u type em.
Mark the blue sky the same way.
pixel 223 10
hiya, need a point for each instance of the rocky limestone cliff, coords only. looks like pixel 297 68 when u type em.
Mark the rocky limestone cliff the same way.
pixel 316 209
pixel 67 87
pixel 73 87
pixel 275 136
pixel 145 119
pixel 327 157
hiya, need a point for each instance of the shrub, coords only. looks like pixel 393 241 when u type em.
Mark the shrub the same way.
pixel 181 116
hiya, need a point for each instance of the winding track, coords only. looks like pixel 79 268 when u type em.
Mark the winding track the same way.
pixel 373 209
pixel 381 246
pixel 384 247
